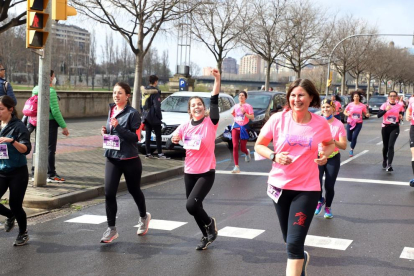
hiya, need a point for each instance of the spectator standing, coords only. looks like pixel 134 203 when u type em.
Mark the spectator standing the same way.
pixel 5 86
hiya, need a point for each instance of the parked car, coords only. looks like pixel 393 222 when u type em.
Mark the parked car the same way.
pixel 175 112
pixel 375 103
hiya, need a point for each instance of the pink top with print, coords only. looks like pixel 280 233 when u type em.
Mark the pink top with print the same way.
pixel 411 105
pixel 337 107
pixel 337 131
pixel 202 160
pixel 392 116
pixel 301 141
pixel 239 117
pixel 355 111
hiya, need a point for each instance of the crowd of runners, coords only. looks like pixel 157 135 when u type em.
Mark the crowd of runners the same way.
pixel 300 139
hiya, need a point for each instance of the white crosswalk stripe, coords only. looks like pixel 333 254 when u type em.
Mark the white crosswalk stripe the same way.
pixel 167 225
pixel 327 242
pixel 407 253
pixel 237 232
pixel 88 219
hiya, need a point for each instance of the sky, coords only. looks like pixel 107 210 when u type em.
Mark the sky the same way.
pixel 390 16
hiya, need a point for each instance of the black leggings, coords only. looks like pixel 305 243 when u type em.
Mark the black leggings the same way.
pixel 331 170
pixel 132 170
pixel 16 181
pixel 389 137
pixel 157 131
pixel 197 187
pixel 295 210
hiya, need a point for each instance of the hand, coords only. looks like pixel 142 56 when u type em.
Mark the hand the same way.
pixel 367 115
pixel 321 160
pixel 5 140
pixel 283 159
pixel 65 131
pixel 175 139
pixel 114 122
pixel 103 130
pixel 388 107
pixel 408 118
pixel 242 110
pixel 215 73
pixel 401 117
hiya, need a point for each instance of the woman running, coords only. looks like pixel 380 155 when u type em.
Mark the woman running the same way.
pixel 409 116
pixel 392 113
pixel 293 182
pixel 242 113
pixel 121 152
pixel 198 136
pixel 331 168
pixel 338 107
pixel 354 112
pixel 14 146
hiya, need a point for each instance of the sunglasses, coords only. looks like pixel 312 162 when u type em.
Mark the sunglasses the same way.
pixel 2 69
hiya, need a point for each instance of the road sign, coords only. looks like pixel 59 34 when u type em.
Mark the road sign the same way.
pixel 183 85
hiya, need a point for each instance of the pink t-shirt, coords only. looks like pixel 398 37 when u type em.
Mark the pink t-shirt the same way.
pixel 337 107
pixel 337 131
pixel 203 159
pixel 411 99
pixel 301 141
pixel 392 116
pixel 239 117
pixel 355 112
pixel 411 105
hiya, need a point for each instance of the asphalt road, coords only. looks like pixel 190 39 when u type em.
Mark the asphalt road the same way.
pixel 373 223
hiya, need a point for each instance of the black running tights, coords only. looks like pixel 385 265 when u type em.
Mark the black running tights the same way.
pixel 197 186
pixel 295 210
pixel 389 137
pixel 16 181
pixel 132 170
pixel 330 170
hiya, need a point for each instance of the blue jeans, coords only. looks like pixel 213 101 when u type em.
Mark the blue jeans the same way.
pixel 352 135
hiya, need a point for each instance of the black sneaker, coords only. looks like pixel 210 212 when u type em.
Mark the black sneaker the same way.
pixel 384 164
pixel 21 239
pixel 211 230
pixel 9 224
pixel 203 244
pixel 389 168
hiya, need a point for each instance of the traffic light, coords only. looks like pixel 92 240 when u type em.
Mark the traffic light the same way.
pixel 328 83
pixel 61 10
pixel 36 20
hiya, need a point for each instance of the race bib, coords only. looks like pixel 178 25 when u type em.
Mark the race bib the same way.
pixel 111 142
pixel 356 116
pixel 392 119
pixel 240 117
pixel 192 142
pixel 274 193
pixel 4 153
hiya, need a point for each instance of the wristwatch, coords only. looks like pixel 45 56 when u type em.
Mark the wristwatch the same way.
pixel 272 156
pixel 12 142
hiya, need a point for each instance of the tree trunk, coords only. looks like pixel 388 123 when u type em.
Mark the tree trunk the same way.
pixel 368 85
pixel 136 98
pixel 356 81
pixel 268 76
pixel 343 83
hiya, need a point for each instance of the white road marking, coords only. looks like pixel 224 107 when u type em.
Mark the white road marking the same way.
pixel 407 129
pixel 326 242
pixel 167 225
pixel 242 233
pixel 372 139
pixel 88 219
pixel 379 143
pixel 407 253
pixel 356 156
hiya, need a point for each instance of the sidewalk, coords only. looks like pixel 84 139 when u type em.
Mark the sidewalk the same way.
pixel 80 160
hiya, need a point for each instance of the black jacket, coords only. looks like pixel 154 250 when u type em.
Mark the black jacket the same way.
pixel 129 121
pixel 152 106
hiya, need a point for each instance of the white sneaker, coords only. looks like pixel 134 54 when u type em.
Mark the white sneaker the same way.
pixel 247 158
pixel 236 170
pixel 143 224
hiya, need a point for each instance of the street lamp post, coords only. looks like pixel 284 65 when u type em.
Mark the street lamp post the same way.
pixel 354 35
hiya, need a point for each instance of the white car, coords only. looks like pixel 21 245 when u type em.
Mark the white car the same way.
pixel 175 112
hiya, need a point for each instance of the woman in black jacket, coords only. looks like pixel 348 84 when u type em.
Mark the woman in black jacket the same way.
pixel 14 146
pixel 120 142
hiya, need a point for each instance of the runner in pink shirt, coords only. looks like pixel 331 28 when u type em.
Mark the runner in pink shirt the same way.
pixel 354 112
pixel 409 116
pixel 198 136
pixel 242 113
pixel 293 182
pixel 331 168
pixel 392 113
pixel 338 107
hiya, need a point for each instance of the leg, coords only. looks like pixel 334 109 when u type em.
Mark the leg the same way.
pixel 157 130
pixel 112 176
pixel 4 185
pixel 235 136
pixel 148 130
pixel 18 185
pixel 243 146
pixel 355 134
pixel 349 133
pixel 53 135
pixel 385 133
pixel 392 139
pixel 321 173
pixel 282 210
pixel 132 171
pixel 332 170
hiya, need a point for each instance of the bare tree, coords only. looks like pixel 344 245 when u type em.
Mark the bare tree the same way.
pixel 194 69
pixel 213 24
pixel 15 20
pixel 381 63
pixel 92 59
pixel 137 21
pixel 263 33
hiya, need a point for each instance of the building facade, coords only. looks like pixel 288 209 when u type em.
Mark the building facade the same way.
pixel 229 66
pixel 250 65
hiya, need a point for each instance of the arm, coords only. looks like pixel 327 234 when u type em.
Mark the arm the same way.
pixel 10 92
pixel 261 147
pixel 129 135
pixel 327 149
pixel 381 113
pixel 55 110
pixel 157 105
pixel 214 110
pixel 341 144
pixel 408 114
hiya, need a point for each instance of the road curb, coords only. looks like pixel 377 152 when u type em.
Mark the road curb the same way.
pixel 90 193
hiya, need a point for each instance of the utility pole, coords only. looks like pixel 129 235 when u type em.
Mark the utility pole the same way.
pixel 42 129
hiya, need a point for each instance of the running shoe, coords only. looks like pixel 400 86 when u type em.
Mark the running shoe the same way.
pixel 319 206
pixel 9 224
pixel 248 157
pixel 412 182
pixel 143 224
pixel 21 239
pixel 389 168
pixel 55 179
pixel 163 157
pixel 305 263
pixel 236 169
pixel 203 244
pixel 384 164
pixel 109 235
pixel 211 230
pixel 328 213
pixel 351 153
pixel 149 156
